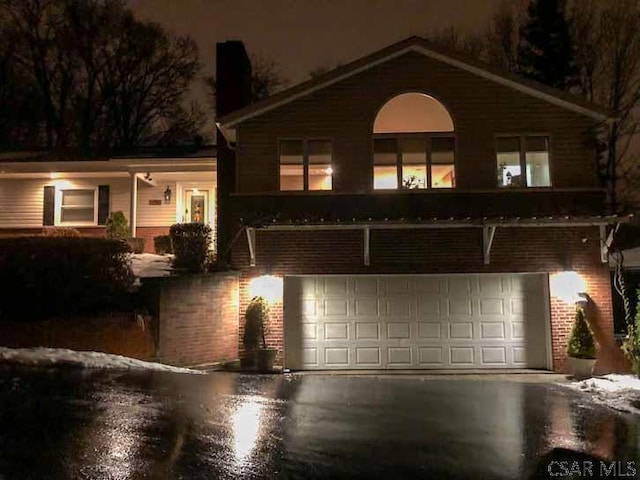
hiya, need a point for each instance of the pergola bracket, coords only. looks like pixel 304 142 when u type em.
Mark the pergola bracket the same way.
pixel 251 240
pixel 488 233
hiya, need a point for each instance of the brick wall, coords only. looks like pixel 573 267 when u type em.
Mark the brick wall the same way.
pixel 120 334
pixel 426 251
pixel 198 317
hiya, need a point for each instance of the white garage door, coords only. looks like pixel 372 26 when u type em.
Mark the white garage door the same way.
pixel 416 321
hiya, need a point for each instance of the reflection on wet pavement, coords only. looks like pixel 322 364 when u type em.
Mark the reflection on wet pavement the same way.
pixel 61 424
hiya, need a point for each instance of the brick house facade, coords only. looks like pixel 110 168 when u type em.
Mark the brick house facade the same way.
pixel 475 231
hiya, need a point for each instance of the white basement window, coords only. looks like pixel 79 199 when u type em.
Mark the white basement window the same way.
pixel 78 207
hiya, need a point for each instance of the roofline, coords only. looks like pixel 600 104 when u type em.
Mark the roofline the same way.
pixel 413 44
pixel 108 166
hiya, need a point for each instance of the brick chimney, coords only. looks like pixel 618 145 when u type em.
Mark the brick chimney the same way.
pixel 233 91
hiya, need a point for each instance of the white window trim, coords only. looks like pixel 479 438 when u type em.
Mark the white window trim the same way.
pixel 58 208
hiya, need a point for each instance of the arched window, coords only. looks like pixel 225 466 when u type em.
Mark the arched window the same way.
pixel 413 144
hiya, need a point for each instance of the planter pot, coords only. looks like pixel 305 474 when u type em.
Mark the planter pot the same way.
pixel 582 367
pixel 248 360
pixel 265 358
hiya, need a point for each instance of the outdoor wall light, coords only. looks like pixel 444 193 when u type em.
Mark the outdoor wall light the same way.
pixel 268 287
pixel 568 286
pixel 167 194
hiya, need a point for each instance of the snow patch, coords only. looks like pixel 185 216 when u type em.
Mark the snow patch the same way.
pixel 149 265
pixel 621 392
pixel 41 356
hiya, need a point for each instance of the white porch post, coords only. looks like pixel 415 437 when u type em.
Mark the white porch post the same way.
pixel 133 207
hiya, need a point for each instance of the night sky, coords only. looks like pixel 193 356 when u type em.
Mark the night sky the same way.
pixel 301 35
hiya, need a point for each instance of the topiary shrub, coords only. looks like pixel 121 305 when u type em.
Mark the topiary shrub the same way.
pixel 61 232
pixel 191 246
pixel 162 244
pixel 256 318
pixel 117 226
pixel 60 276
pixel 581 343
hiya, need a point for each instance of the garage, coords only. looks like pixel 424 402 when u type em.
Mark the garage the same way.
pixel 457 321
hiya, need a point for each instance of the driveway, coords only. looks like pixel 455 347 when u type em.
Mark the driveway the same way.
pixel 68 424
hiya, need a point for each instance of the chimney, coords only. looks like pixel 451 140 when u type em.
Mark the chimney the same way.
pixel 233 77
pixel 233 91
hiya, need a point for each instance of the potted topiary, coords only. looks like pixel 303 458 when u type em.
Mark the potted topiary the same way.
pixel 581 347
pixel 257 355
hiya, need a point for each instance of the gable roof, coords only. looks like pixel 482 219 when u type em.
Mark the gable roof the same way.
pixel 424 47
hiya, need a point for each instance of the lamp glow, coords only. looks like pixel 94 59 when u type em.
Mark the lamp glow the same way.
pixel 268 287
pixel 567 286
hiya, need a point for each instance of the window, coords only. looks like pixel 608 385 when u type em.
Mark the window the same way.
pixel 523 161
pixel 414 162
pixel 78 206
pixel 306 165
pixel 413 146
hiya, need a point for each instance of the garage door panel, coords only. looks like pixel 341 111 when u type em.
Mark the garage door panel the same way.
pixel 429 330
pixel 492 330
pixel 366 307
pixel 367 331
pixel 492 306
pixel 416 321
pixel 369 356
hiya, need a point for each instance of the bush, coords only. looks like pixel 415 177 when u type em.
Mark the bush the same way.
pixel 61 232
pixel 117 226
pixel 191 245
pixel 256 318
pixel 162 244
pixel 58 276
pixel 631 343
pixel 581 343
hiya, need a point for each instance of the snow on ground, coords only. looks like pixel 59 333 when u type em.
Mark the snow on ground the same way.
pixel 621 392
pixel 41 356
pixel 147 265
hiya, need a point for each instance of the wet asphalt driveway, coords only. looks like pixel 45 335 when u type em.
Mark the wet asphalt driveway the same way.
pixel 74 424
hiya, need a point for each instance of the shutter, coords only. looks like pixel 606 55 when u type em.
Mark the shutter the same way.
pixel 103 204
pixel 49 206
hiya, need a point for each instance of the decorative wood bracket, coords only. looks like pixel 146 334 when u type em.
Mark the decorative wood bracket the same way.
pixel 366 237
pixel 487 240
pixel 251 240
pixel 605 243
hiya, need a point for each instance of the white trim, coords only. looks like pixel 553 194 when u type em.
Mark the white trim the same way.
pixel 436 56
pixel 548 322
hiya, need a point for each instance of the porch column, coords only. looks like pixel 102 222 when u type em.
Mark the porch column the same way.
pixel 133 205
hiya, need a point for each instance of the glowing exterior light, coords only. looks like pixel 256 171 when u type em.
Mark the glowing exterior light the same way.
pixel 267 287
pixel 328 171
pixel 567 286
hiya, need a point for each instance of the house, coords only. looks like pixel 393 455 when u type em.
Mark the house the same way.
pixel 414 209
pixel 154 189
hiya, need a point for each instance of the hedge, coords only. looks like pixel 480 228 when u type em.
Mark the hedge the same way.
pixel 191 246
pixel 59 276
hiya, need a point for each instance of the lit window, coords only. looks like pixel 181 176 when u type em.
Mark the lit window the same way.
pixel 417 161
pixel 78 206
pixel 523 161
pixel 413 146
pixel 306 165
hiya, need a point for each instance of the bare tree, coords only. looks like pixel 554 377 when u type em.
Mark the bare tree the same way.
pixel 104 79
